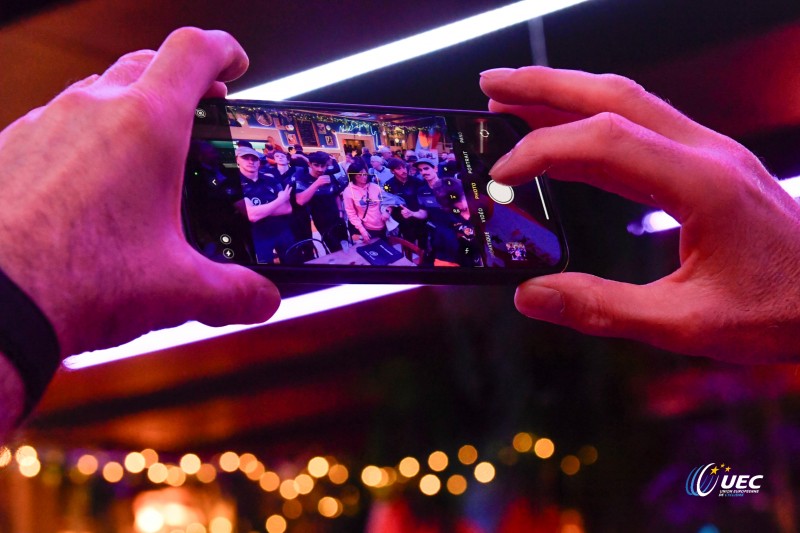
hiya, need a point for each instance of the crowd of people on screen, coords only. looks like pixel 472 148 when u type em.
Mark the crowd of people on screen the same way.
pixel 415 198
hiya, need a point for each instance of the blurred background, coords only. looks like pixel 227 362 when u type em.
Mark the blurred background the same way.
pixel 440 408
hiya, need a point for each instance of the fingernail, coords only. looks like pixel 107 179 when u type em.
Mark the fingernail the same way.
pixel 500 163
pixel 537 301
pixel 497 73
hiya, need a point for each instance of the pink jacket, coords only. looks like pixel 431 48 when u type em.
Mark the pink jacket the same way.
pixel 361 200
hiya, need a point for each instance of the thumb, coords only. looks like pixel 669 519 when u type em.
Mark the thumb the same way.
pixel 233 294
pixel 591 305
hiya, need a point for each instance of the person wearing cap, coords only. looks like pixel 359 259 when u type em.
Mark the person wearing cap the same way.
pixel 319 192
pixel 266 203
pixel 411 216
pixel 379 172
pixel 452 233
pixel 411 157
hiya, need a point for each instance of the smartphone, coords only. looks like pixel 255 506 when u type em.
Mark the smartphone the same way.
pixel 371 195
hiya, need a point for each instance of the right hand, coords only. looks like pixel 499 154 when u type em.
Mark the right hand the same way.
pixel 323 180
pixel 735 296
pixel 284 195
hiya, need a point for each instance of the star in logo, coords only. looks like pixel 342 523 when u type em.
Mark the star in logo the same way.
pixel 714 470
pixel 728 469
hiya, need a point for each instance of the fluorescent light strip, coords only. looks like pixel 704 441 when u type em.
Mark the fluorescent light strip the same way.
pixel 660 221
pixel 291 308
pixel 404 49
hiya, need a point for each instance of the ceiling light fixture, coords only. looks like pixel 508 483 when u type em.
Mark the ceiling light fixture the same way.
pixel 404 49
pixel 295 307
pixel 656 221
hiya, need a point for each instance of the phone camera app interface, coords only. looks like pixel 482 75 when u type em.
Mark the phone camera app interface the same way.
pixel 312 186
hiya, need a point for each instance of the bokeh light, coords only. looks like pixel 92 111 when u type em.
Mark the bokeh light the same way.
pixel 437 461
pixel 523 442
pixel 429 485
pixel 276 524
pixel 408 467
pixel 330 507
pixel 544 448
pixel 484 472
pixel 338 474
pixel 134 462
pixel 457 485
pixel 570 465
pixel 113 472
pixel 318 467
pixel 467 454
pixel 190 463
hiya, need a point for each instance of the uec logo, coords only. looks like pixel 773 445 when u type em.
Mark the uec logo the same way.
pixel 702 481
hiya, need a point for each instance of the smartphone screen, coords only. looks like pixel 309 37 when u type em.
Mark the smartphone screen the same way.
pixel 332 193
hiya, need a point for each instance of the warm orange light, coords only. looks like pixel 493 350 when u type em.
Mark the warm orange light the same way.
pixel 25 452
pixel 256 472
pixel 484 472
pixel 408 467
pixel 456 485
pixel 87 464
pixel 157 473
pixel 276 524
pixel 150 457
pixel 429 485
pixel 220 524
pixel 5 456
pixel 570 465
pixel 269 481
pixel 588 455
pixel 195 528
pixel 134 462
pixel 523 442
pixel 247 462
pixel 371 476
pixel 437 461
pixel 338 474
pixel 330 507
pixel 190 464
pixel 207 473
pixel 229 462
pixel 113 472
pixel 288 489
pixel 467 454
pixel 544 448
pixel 175 476
pixel 30 466
pixel 318 467
pixel 304 484
pixel 292 509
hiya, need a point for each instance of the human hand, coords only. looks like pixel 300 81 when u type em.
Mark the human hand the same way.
pixel 90 222
pixel 406 212
pixel 323 180
pixel 365 236
pixel 284 195
pixel 735 295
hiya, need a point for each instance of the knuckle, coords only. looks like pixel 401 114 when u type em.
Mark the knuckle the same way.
pixel 188 37
pixel 610 128
pixel 623 87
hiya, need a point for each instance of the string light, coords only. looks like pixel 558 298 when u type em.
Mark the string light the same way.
pixel 295 493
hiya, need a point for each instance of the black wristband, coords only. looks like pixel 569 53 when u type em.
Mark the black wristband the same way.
pixel 28 341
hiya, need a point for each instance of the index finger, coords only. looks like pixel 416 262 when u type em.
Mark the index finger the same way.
pixel 588 94
pixel 189 62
